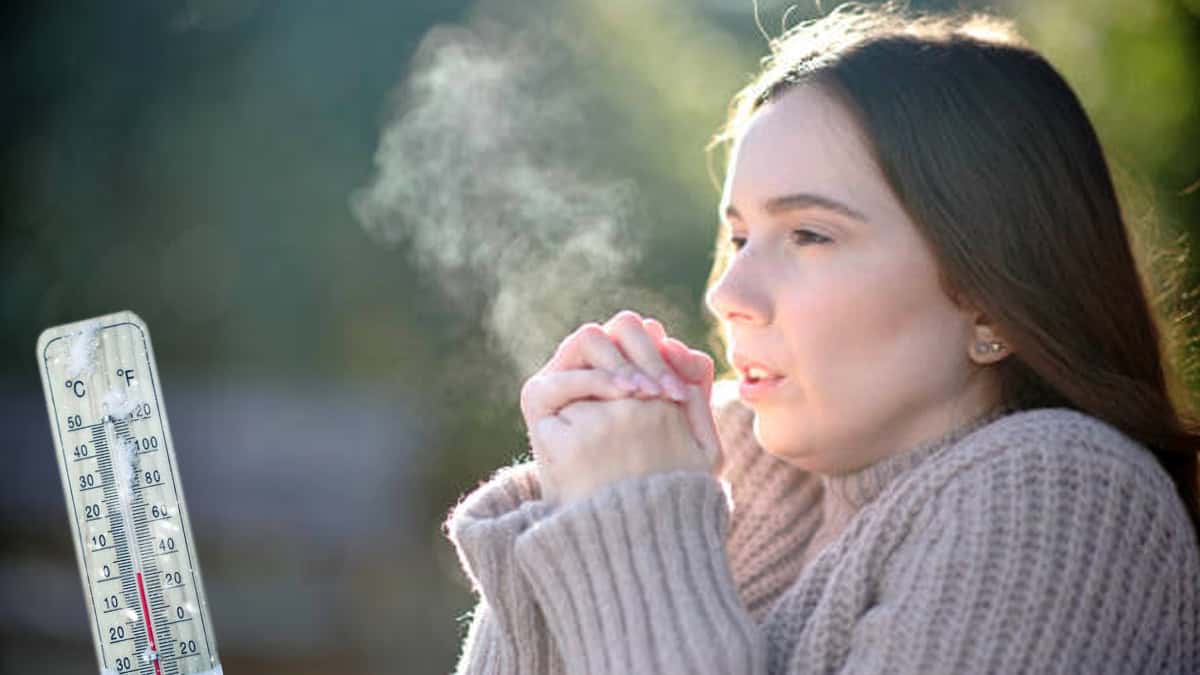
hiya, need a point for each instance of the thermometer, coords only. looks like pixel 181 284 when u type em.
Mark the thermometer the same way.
pixel 141 578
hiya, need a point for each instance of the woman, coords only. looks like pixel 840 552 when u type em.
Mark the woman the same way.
pixel 952 449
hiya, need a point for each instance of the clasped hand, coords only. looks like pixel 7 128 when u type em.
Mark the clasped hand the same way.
pixel 618 401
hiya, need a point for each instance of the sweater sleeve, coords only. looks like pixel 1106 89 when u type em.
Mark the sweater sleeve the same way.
pixel 1040 560
pixel 661 574
pixel 635 579
pixel 507 633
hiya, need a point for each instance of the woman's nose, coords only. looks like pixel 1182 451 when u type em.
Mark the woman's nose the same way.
pixel 737 297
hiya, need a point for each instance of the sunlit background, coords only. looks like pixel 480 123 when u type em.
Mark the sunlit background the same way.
pixel 353 228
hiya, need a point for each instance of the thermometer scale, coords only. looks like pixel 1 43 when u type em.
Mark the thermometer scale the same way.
pixel 141 577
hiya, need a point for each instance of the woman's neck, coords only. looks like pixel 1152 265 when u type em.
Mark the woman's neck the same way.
pixel 845 494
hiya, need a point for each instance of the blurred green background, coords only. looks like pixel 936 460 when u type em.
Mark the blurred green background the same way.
pixel 354 228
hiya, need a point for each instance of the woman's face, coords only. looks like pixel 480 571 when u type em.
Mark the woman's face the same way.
pixel 834 293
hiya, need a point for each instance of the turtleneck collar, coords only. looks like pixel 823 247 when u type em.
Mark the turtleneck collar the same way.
pixel 846 493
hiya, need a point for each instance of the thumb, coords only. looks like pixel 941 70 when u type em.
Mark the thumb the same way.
pixel 704 428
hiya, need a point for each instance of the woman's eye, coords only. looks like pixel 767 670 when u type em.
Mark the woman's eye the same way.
pixel 809 237
pixel 798 236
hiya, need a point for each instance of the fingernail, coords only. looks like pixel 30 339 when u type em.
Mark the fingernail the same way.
pixel 673 387
pixel 624 383
pixel 646 384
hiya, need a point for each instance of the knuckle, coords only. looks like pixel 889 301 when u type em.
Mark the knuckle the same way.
pixel 583 333
pixel 532 386
pixel 625 321
pixel 587 338
pixel 590 329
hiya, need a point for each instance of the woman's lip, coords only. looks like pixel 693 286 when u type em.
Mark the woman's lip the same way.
pixel 759 389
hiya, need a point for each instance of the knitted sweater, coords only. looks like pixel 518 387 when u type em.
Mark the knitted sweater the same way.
pixel 1035 541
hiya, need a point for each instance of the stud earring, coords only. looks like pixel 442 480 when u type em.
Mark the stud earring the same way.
pixel 987 347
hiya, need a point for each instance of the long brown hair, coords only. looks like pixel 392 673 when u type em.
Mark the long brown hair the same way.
pixel 995 160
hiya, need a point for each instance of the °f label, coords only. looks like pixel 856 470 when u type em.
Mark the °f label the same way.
pixel 141 578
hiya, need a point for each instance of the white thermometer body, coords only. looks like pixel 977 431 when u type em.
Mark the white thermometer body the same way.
pixel 141 577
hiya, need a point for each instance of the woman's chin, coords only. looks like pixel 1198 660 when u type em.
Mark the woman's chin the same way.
pixel 786 447
pixel 770 439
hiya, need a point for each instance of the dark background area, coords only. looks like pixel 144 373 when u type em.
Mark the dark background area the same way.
pixel 197 162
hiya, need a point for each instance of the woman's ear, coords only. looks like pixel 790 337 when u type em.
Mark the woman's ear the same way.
pixel 986 346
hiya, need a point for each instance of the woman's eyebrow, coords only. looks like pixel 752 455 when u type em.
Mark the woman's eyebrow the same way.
pixel 802 200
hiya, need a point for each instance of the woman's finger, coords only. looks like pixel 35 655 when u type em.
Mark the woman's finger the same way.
pixel 642 351
pixel 590 346
pixel 655 328
pixel 548 393
pixel 658 333
pixel 694 366
pixel 689 364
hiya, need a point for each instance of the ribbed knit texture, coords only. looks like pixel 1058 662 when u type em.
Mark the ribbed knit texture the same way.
pixel 1039 541
pixel 508 633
